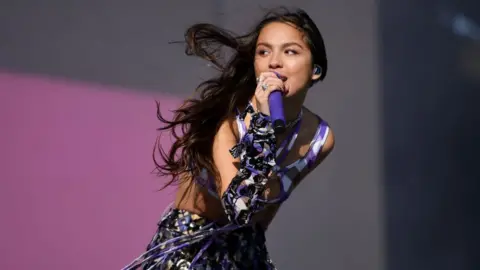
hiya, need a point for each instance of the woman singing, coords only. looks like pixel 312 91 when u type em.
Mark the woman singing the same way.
pixel 233 172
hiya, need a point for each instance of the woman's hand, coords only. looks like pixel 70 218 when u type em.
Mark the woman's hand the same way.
pixel 267 82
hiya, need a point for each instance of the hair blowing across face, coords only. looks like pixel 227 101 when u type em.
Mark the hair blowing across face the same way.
pixel 198 119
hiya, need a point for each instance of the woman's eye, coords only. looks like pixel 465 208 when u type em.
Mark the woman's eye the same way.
pixel 291 52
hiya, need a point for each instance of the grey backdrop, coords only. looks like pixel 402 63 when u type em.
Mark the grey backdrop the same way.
pixel 384 119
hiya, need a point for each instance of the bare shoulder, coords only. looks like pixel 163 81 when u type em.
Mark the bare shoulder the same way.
pixel 227 129
pixel 328 139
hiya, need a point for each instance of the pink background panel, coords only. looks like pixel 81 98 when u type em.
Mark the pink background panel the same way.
pixel 76 185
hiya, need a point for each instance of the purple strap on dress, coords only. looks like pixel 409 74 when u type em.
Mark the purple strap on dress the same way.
pixel 310 157
pixel 320 137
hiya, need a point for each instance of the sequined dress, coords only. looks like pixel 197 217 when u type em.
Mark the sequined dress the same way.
pixel 185 240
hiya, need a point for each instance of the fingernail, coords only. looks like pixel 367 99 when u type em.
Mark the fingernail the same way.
pixel 283 78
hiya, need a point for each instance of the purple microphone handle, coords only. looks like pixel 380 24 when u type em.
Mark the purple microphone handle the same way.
pixel 275 102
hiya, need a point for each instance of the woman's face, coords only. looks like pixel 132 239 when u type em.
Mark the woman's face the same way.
pixel 282 48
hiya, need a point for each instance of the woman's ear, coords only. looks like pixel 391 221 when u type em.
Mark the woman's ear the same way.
pixel 317 72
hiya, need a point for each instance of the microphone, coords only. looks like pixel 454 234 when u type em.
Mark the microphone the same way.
pixel 275 102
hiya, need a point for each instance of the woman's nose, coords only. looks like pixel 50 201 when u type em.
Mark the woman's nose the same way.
pixel 275 62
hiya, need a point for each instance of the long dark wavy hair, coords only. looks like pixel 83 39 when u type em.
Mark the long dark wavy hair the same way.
pixel 197 120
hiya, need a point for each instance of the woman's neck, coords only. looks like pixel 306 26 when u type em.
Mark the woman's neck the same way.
pixel 292 107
